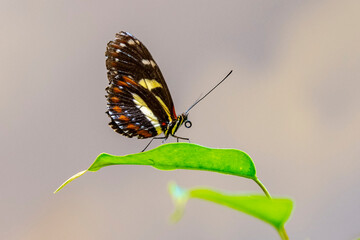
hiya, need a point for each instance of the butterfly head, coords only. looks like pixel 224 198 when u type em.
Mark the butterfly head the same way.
pixel 183 119
pixel 175 125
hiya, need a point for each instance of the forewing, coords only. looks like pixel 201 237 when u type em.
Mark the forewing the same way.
pixel 139 102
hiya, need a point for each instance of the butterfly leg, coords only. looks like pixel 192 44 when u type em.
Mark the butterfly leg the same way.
pixel 151 142
pixel 177 138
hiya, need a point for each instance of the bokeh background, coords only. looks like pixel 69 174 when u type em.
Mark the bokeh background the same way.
pixel 292 103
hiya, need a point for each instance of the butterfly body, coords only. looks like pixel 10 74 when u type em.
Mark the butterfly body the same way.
pixel 139 101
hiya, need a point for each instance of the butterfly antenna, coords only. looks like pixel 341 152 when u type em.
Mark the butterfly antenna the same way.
pixel 197 101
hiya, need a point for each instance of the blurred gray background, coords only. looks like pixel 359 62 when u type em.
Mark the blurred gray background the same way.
pixel 292 103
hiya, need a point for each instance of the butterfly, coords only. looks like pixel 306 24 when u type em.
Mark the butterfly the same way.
pixel 138 100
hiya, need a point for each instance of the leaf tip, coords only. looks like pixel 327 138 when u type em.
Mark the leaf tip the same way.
pixel 70 180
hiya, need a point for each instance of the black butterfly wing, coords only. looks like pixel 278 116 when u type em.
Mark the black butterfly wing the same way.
pixel 139 101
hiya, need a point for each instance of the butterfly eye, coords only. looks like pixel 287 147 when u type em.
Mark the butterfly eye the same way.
pixel 188 124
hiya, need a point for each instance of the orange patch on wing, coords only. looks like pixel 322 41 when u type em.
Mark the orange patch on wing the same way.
pixel 117 109
pixel 144 133
pixel 114 54
pixel 114 99
pixel 121 83
pixel 132 126
pixel 174 113
pixel 124 118
pixel 116 90
pixel 127 79
pixel 114 45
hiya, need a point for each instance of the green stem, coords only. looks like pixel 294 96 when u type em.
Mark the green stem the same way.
pixel 262 187
pixel 283 233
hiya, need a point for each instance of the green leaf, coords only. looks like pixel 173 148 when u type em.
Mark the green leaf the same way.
pixel 275 211
pixel 182 156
